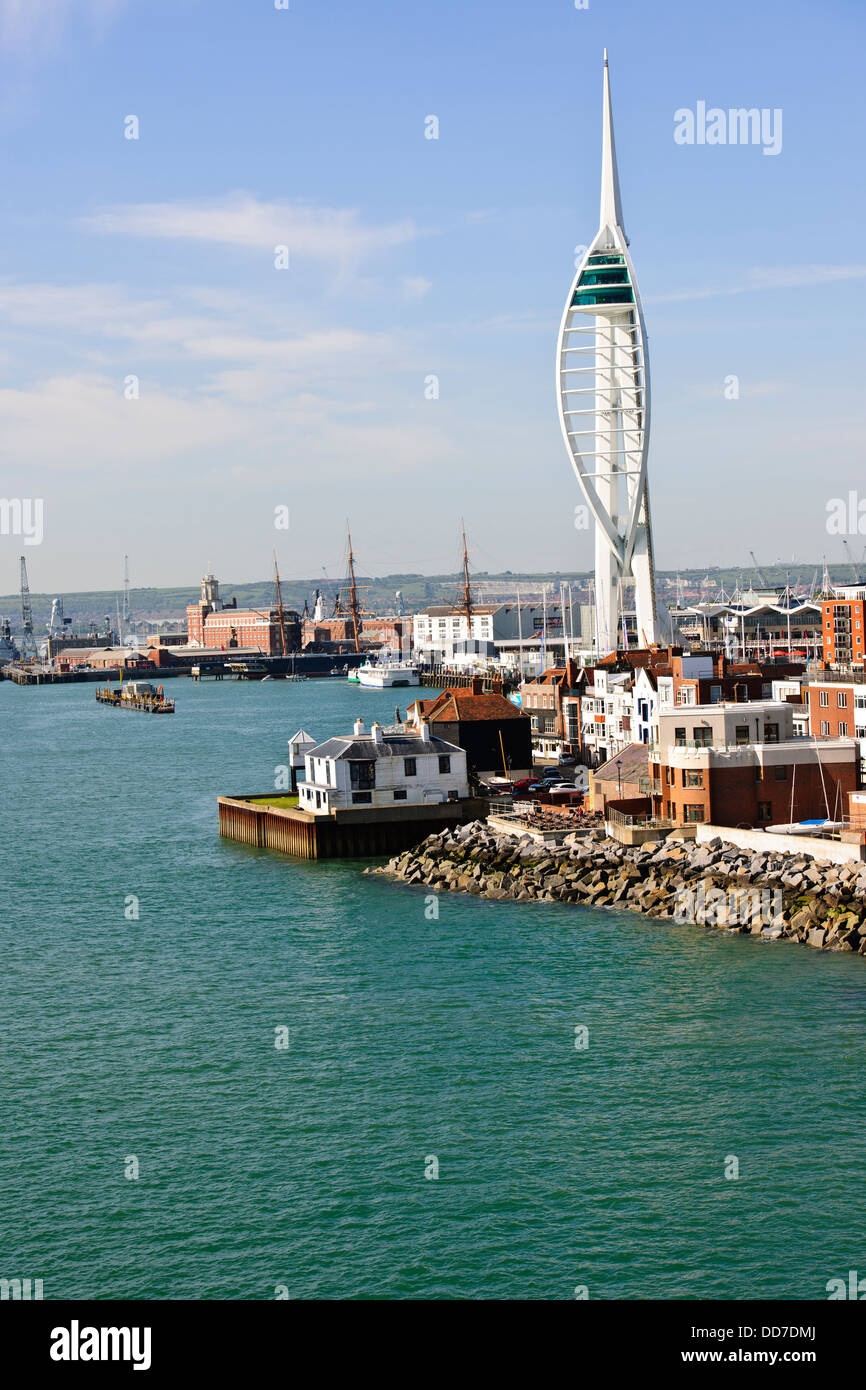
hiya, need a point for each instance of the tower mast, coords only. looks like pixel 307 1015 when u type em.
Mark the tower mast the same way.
pixel 467 592
pixel 353 592
pixel 280 607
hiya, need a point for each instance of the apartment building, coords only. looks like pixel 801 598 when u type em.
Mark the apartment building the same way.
pixel 837 709
pixel 843 625
pixel 741 764
pixel 544 699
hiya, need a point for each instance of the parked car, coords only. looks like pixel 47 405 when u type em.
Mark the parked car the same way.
pixel 523 784
pixel 567 760
pixel 560 786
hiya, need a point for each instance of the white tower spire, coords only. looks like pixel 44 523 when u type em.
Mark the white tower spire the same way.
pixel 604 400
pixel 611 208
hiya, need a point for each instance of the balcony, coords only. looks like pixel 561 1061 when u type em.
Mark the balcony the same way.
pixel 841 673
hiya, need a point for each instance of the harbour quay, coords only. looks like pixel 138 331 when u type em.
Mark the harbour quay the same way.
pixel 341 834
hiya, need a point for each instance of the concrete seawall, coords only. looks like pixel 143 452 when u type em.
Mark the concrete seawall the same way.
pixel 764 842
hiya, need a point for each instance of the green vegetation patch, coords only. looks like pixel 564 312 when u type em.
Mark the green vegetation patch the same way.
pixel 282 801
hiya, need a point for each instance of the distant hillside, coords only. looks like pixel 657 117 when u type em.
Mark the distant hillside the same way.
pixel 151 605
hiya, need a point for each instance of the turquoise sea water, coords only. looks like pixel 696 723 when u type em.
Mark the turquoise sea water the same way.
pixel 409 1038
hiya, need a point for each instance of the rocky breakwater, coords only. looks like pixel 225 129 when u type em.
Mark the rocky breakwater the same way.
pixel 767 894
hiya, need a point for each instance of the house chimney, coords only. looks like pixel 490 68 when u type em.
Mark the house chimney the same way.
pixel 359 728
pixel 477 685
pixel 376 731
pixel 426 736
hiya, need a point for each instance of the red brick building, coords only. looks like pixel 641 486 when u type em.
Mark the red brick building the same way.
pixel 542 699
pixel 222 627
pixel 831 708
pixel 373 631
pixel 843 626
pixel 740 765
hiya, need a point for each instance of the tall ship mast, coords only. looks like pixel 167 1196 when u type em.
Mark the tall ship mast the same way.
pixel 467 592
pixel 283 643
pixel 353 593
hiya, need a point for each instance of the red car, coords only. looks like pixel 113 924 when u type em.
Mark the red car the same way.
pixel 524 784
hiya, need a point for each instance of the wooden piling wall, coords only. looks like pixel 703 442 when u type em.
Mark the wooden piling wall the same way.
pixel 350 835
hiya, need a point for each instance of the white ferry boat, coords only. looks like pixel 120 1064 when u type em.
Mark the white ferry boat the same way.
pixel 382 674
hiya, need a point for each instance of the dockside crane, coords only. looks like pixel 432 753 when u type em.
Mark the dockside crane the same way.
pixel 760 573
pixel 28 644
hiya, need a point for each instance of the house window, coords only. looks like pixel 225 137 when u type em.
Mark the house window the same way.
pixel 765 811
pixel 741 734
pixel 703 736
pixel 445 763
pixel 693 813
pixel 825 728
pixel 843 729
pixel 680 738
pixel 362 773
pixel 771 733
pixel 454 795
pixel 824 698
pixel 318 799
pixel 841 699
pixel 694 779
pixel 400 794
pixel 715 694
pixel 781 774
pixel 409 767
pixel 362 798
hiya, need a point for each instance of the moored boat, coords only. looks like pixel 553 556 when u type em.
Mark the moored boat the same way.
pixel 136 695
pixel 381 675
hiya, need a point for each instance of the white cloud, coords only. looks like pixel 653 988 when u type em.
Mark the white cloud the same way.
pixel 36 25
pixel 330 236
pixel 415 287
pixel 84 422
pixel 783 278
pixel 81 424
pixel 239 330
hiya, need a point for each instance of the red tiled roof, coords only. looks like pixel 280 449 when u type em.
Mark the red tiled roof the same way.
pixel 462 705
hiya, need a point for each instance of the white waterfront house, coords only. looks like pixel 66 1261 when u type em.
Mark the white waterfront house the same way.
pixel 379 769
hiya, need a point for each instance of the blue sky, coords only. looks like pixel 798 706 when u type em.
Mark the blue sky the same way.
pixel 410 257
